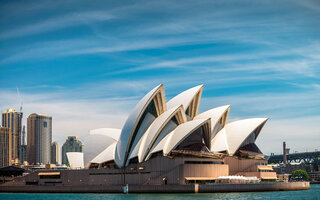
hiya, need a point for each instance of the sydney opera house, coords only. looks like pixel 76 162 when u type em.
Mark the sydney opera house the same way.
pixel 168 142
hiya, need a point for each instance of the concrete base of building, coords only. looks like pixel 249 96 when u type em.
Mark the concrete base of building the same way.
pixel 201 188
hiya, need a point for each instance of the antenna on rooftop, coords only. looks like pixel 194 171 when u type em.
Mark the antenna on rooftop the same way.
pixel 20 99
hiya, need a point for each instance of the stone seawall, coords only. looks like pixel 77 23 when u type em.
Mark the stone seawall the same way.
pixel 214 188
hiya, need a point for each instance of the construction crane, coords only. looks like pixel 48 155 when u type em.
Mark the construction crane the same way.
pixel 20 99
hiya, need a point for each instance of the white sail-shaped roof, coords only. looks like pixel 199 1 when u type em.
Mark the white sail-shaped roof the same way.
pixel 127 137
pixel 97 141
pixel 190 97
pixel 215 115
pixel 135 151
pixel 183 131
pixel 173 139
pixel 75 160
pixel 106 155
pixel 231 137
pixel 160 145
pixel 220 143
pixel 113 133
pixel 157 126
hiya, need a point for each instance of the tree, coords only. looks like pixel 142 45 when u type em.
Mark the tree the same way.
pixel 300 175
pixel 316 164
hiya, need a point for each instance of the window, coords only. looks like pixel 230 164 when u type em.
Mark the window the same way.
pixel 188 110
pixel 45 124
pixel 194 142
pixel 202 162
pixel 261 163
pixel 50 176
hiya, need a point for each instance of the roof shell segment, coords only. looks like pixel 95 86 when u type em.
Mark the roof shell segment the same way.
pixel 126 137
pixel 106 155
pixel 235 133
pixel 96 142
pixel 160 146
pixel 113 133
pixel 190 97
pixel 156 127
pixel 183 131
pixel 219 142
pixel 75 160
pixel 175 137
pixel 215 115
pixel 135 151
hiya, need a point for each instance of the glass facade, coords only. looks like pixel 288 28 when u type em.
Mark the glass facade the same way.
pixel 248 145
pixel 194 142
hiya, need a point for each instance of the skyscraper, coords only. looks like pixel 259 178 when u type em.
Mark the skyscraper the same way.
pixel 12 119
pixel 39 131
pixel 55 153
pixel 72 144
pixel 5 146
pixel 23 146
pixel 23 153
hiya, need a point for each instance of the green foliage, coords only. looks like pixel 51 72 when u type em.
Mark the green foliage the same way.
pixel 300 175
pixel 316 164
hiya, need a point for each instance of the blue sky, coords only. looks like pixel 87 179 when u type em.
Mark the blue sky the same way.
pixel 88 63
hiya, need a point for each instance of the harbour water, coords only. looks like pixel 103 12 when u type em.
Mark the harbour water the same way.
pixel 313 193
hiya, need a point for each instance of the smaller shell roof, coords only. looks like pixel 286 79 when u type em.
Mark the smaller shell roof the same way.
pixel 105 155
pixel 154 129
pixel 184 98
pixel 112 133
pixel 233 134
pixel 95 142
pixel 215 114
pixel 75 160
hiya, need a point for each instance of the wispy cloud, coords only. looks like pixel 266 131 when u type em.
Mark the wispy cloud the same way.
pixel 303 61
pixel 310 4
pixel 56 23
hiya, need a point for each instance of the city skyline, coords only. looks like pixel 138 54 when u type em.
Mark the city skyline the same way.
pixel 87 66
